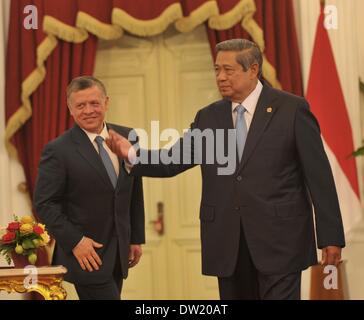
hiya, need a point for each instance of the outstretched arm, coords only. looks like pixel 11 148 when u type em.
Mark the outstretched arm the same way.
pixel 166 162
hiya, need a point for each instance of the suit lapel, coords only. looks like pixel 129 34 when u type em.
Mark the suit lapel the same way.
pixel 121 161
pixel 89 153
pixel 262 116
pixel 224 115
pixel 121 175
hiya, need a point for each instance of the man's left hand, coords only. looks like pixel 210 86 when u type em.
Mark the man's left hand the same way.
pixel 135 252
pixel 331 255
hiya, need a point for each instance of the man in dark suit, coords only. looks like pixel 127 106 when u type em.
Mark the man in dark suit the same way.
pixel 257 229
pixel 91 206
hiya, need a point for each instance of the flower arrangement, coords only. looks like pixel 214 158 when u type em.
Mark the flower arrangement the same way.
pixel 23 238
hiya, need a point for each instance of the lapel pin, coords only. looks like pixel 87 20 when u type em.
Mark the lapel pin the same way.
pixel 269 109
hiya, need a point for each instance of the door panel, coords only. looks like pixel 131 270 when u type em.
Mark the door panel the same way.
pixel 166 78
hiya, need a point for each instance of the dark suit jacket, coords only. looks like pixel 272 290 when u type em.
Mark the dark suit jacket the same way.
pixel 283 170
pixel 74 197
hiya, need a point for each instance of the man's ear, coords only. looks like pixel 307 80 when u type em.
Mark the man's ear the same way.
pixel 254 70
pixel 107 100
pixel 69 108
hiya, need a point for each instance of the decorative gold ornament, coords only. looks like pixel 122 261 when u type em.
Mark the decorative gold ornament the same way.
pixel 48 281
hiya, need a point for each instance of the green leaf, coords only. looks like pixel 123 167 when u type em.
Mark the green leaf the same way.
pixel 358 152
pixel 8 259
pixel 6 247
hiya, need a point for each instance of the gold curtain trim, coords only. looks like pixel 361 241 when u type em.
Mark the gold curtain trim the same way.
pixel 63 31
pixel 257 34
pixel 197 17
pixel 29 85
pixel 243 11
pixel 145 28
pixel 232 17
pixel 101 30
pixel 251 26
pixel 270 73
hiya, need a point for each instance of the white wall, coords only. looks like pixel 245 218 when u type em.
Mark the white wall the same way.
pixel 360 26
pixel 12 201
pixel 348 49
pixel 360 39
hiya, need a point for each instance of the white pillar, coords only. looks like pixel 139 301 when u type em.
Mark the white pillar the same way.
pixel 347 46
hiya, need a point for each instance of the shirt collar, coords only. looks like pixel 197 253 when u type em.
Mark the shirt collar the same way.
pixel 104 133
pixel 251 101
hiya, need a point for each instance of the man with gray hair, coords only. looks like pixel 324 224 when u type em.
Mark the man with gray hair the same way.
pixel 257 229
pixel 92 207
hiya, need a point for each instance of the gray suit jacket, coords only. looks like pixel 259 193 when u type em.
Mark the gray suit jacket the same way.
pixel 74 197
pixel 284 169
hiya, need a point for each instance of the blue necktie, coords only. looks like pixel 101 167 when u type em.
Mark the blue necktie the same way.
pixel 241 130
pixel 106 161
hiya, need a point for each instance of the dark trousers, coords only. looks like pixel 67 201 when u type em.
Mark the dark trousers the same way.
pixel 247 283
pixel 110 290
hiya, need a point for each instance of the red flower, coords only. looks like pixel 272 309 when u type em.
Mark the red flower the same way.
pixel 13 226
pixel 8 237
pixel 38 230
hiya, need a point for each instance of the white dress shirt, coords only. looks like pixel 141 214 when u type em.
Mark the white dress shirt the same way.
pixel 105 134
pixel 250 104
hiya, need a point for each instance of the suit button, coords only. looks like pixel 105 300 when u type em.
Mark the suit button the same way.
pixel 239 178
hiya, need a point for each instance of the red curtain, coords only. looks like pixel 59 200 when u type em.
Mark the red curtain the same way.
pixel 50 113
pixel 276 18
pixel 50 116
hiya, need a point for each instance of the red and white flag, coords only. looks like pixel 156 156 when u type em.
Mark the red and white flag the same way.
pixel 327 102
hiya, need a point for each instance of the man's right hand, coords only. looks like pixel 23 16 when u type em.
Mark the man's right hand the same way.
pixel 86 254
